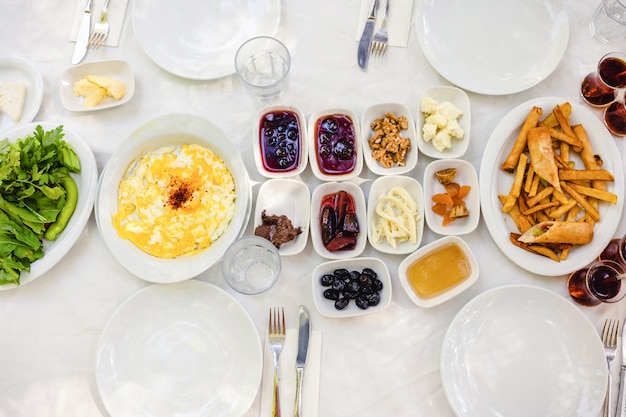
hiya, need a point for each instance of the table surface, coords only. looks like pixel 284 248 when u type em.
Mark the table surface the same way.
pixel 381 364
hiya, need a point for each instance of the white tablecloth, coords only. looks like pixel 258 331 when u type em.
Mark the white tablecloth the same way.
pixel 382 364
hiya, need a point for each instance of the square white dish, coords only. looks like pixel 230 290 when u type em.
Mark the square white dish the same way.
pixel 302 145
pixel 380 188
pixel 369 116
pixel 312 139
pixel 289 197
pixel 466 175
pixel 316 204
pixel 460 99
pixel 326 307
pixel 14 69
pixel 119 70
pixel 450 292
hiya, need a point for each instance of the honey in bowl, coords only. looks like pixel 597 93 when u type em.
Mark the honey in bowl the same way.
pixel 439 270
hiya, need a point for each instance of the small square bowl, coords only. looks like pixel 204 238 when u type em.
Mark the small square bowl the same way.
pixel 377 111
pixel 119 70
pixel 466 175
pixel 289 197
pixel 315 226
pixel 313 153
pixel 460 99
pixel 381 187
pixel 301 141
pixel 326 307
pixel 448 293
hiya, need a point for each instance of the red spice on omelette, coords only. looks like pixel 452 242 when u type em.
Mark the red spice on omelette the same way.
pixel 175 201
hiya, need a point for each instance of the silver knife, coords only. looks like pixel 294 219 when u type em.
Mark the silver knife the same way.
pixel 83 35
pixel 365 43
pixel 304 331
pixel 621 401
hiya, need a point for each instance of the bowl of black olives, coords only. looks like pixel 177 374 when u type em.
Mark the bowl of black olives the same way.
pixel 351 287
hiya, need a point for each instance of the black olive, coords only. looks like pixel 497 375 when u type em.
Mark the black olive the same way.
pixel 373 299
pixel 338 285
pixel 342 273
pixel 355 275
pixel 362 303
pixel 350 294
pixel 365 281
pixel 377 284
pixel 327 280
pixel 331 294
pixel 341 303
pixel 369 272
pixel 353 286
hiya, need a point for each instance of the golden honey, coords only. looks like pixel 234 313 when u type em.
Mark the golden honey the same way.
pixel 439 270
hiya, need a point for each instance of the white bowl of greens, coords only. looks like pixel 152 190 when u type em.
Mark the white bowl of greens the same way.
pixel 45 171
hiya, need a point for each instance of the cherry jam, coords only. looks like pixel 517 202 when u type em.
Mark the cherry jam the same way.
pixel 280 140
pixel 335 143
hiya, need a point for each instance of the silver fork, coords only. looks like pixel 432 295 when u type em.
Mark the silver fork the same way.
pixel 101 29
pixel 610 332
pixel 276 335
pixel 381 39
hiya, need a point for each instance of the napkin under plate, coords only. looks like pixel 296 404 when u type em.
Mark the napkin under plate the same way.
pixel 115 17
pixel 398 19
pixel 287 374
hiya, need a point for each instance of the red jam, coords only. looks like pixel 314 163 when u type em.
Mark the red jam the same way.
pixel 335 143
pixel 280 140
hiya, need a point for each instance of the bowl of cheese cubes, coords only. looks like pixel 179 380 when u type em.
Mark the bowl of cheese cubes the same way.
pixel 443 122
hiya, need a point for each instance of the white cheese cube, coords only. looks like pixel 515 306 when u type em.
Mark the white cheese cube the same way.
pixel 429 131
pixel 428 105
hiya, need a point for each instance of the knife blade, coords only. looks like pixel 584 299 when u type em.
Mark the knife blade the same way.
pixel 83 35
pixel 621 401
pixel 365 43
pixel 304 332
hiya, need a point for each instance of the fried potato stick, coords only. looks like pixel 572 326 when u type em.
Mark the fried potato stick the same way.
pixel 551 121
pixel 590 210
pixel 520 142
pixel 516 188
pixel 595 193
pixel 585 174
pixel 587 155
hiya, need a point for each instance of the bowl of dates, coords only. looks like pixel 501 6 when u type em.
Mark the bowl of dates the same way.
pixel 351 287
pixel 335 150
pixel 338 220
pixel 280 148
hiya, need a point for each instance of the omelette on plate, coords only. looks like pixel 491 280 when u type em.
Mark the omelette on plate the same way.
pixel 175 201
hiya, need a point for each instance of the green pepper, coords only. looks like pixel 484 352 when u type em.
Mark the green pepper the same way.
pixel 71 199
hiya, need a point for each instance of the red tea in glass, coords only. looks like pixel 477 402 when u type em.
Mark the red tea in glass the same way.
pixel 601 282
pixel 612 70
pixel 595 92
pixel 615 118
pixel 578 289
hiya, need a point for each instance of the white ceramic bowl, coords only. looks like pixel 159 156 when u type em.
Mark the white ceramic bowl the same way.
pixel 369 116
pixel 466 175
pixel 167 130
pixel 289 197
pixel 312 139
pixel 119 70
pixel 316 236
pixel 327 308
pixel 381 187
pixel 460 99
pixel 303 145
pixel 449 293
pixel 86 181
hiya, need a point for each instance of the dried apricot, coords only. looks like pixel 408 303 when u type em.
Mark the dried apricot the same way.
pixel 440 209
pixel 464 191
pixel 452 188
pixel 443 199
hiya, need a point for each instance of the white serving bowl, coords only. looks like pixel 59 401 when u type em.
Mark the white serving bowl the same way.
pixel 86 181
pixel 380 187
pixel 312 139
pixel 170 130
pixel 119 70
pixel 369 116
pixel 289 197
pixel 327 308
pixel 450 292
pixel 460 99
pixel 303 145
pixel 466 175
pixel 316 236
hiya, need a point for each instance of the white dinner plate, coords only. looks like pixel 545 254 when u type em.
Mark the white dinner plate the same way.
pixel 14 69
pixel 493 46
pixel 199 38
pixel 86 181
pixel 116 69
pixel 494 181
pixel 184 349
pixel 520 351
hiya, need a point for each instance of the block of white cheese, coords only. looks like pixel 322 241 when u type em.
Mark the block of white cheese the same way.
pixel 12 98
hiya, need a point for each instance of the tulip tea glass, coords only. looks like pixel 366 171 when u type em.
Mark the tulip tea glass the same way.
pixel 601 282
pixel 606 87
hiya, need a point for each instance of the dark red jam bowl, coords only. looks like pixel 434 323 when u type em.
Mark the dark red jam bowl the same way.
pixel 335 144
pixel 280 137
